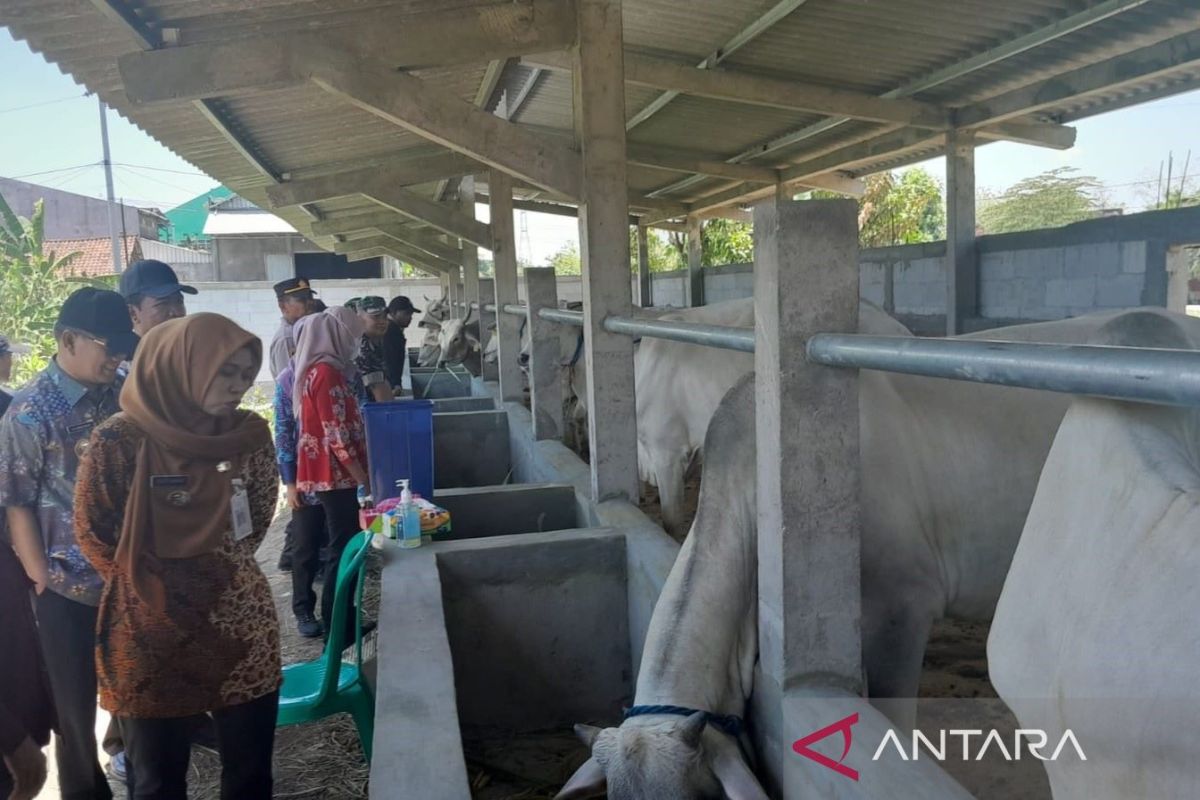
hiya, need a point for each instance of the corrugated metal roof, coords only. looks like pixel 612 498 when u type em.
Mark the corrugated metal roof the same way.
pixel 870 46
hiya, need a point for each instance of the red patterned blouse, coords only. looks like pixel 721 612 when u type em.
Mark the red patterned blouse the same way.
pixel 331 433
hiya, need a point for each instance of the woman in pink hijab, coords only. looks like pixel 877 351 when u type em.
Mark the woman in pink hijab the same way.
pixel 331 456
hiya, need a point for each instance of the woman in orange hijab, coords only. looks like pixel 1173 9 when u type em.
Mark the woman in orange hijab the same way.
pixel 172 500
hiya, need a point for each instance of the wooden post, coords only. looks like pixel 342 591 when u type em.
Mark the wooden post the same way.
pixel 470 253
pixel 695 250
pixel 545 354
pixel 809 607
pixel 599 84
pixel 487 294
pixel 645 292
pixel 962 268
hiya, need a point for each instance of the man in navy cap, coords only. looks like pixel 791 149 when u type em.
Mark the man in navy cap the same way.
pixel 153 293
pixel 296 297
pixel 42 437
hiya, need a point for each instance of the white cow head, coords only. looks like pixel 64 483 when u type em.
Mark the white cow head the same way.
pixel 431 348
pixel 649 761
pixel 458 339
pixel 491 353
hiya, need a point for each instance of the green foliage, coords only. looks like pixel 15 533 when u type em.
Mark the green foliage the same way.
pixel 904 209
pixel 32 288
pixel 723 241
pixel 1050 200
pixel 664 256
pixel 566 261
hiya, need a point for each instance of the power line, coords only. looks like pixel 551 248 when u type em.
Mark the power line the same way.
pixel 162 169
pixel 43 103
pixel 52 171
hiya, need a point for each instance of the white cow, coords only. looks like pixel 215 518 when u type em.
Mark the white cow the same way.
pixel 949 471
pixel 1096 630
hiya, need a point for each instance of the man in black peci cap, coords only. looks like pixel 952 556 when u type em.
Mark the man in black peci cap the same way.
pixel 153 293
pixel 296 297
pixel 7 349
pixel 42 438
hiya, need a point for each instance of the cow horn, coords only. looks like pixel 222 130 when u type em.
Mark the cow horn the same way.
pixel 736 779
pixel 692 729
pixel 588 780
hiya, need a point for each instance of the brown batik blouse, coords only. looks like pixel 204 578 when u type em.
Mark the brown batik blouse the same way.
pixel 217 643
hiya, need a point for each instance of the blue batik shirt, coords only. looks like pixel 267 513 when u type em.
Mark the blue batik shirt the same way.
pixel 42 437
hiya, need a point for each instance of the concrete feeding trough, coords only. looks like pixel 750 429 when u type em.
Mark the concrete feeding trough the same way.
pixel 450 380
pixel 528 618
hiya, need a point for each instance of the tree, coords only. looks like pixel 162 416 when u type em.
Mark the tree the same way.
pixel 32 287
pixel 1050 200
pixel 724 241
pixel 566 261
pixel 664 256
pixel 904 209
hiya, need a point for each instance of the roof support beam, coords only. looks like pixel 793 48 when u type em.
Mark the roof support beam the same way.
pixel 742 87
pixel 701 163
pixel 747 34
pixel 532 157
pixel 438 215
pixel 1021 44
pixel 423 241
pixel 412 41
pixel 406 172
pixel 148 38
pixel 368 220
pixel 1158 59
pixel 405 252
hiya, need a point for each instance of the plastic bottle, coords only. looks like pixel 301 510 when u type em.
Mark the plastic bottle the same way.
pixel 410 518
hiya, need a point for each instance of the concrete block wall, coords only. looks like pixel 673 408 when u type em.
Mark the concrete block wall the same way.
pixel 1052 283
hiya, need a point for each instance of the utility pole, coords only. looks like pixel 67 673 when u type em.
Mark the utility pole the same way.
pixel 108 185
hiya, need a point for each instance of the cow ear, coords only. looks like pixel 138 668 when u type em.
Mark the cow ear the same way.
pixel 736 779
pixel 588 781
pixel 470 313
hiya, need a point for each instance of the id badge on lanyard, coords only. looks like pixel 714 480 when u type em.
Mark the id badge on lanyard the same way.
pixel 239 506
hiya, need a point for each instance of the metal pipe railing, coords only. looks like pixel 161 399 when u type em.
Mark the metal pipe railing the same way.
pixel 722 336
pixel 1143 375
pixel 1138 374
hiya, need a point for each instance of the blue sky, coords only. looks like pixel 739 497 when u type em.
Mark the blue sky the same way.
pixel 50 134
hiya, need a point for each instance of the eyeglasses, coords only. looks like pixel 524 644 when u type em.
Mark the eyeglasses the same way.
pixel 103 345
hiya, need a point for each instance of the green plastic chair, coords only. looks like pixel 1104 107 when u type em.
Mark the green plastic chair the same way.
pixel 317 689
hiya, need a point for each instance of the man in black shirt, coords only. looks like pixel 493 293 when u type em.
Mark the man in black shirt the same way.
pixel 395 346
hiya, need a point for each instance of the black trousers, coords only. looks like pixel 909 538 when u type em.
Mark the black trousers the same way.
pixel 67 631
pixel 341 516
pixel 159 751
pixel 309 538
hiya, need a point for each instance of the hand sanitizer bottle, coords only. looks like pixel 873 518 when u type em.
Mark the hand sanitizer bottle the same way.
pixel 410 518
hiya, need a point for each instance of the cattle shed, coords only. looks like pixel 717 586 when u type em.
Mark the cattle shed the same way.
pixel 373 128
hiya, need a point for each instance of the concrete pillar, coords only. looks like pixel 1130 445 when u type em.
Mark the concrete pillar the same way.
pixel 645 298
pixel 599 94
pixel 695 280
pixel 470 253
pixel 809 607
pixel 545 354
pixel 504 256
pixel 962 264
pixel 487 294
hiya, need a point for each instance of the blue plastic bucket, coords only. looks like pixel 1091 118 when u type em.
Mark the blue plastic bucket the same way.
pixel 399 446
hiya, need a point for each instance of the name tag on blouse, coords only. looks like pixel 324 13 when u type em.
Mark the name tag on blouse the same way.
pixel 168 481
pixel 239 507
